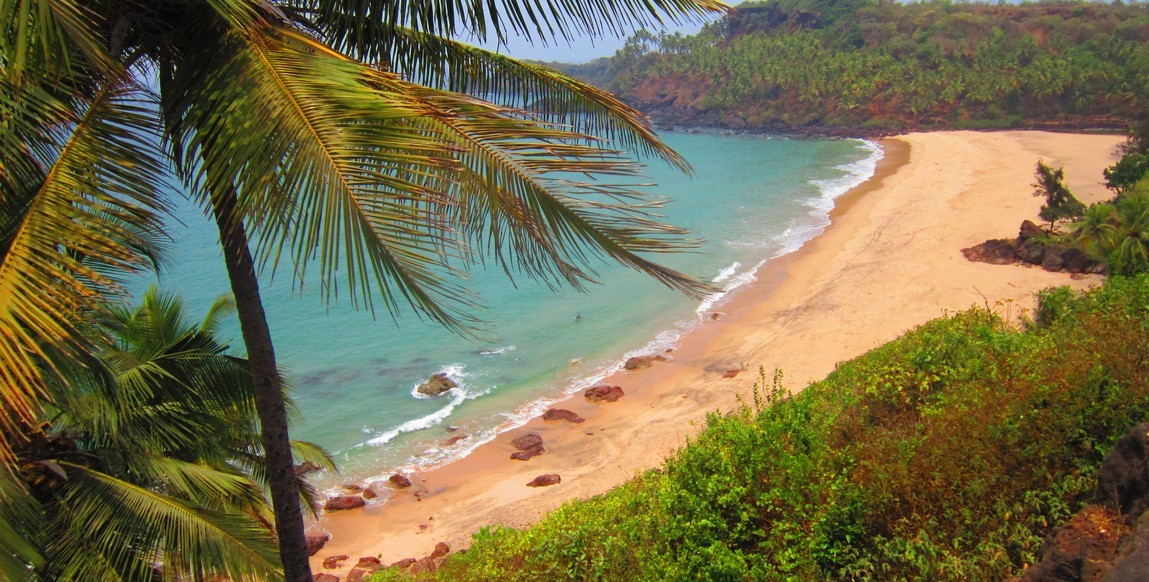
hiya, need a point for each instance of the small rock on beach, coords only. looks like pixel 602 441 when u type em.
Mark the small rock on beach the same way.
pixel 562 414
pixel 640 362
pixel 604 392
pixel 545 480
pixel 529 445
pixel 343 502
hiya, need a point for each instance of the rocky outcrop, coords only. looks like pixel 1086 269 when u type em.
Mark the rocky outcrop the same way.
pixel 1109 539
pixel 1082 549
pixel 1123 481
pixel 556 414
pixel 1031 246
pixel 426 564
pixel 998 251
pixel 316 543
pixel 436 385
pixel 451 441
pixel 324 577
pixel 529 445
pixel 399 481
pixel 545 480
pixel 369 493
pixel 640 362
pixel 603 393
pixel 343 502
pixel 366 566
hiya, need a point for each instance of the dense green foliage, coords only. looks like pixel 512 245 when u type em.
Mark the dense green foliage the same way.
pixel 947 454
pixel 787 64
pixel 148 453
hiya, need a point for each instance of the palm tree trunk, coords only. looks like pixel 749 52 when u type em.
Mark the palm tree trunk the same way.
pixel 268 387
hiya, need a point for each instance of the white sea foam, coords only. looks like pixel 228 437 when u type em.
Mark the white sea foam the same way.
pixel 497 351
pixel 727 272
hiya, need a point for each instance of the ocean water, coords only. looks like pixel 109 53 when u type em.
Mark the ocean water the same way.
pixel 353 377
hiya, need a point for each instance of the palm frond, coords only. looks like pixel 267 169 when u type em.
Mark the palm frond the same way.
pixel 342 149
pixel 133 528
pixel 542 91
pixel 51 38
pixel 206 486
pixel 356 24
pixel 71 236
pixel 523 202
pixel 20 519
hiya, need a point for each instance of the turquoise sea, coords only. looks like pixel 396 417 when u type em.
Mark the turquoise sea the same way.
pixel 353 376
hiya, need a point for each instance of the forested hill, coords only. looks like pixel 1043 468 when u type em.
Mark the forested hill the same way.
pixel 826 65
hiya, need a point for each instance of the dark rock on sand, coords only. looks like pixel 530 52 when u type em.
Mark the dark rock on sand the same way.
pixel 545 480
pixel 316 543
pixel 324 577
pixel 333 562
pixel 640 362
pixel 603 392
pixel 344 502
pixel 400 481
pixel 529 445
pixel 562 414
pixel 436 385
pixel 369 493
pixel 998 251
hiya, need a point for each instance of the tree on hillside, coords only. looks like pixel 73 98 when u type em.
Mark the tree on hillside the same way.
pixel 1060 203
pixel 332 133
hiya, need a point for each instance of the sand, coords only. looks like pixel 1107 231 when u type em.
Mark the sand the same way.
pixel 889 261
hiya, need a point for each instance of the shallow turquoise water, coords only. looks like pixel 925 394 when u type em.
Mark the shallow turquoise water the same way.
pixel 352 376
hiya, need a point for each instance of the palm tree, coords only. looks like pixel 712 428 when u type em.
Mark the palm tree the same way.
pixel 140 462
pixel 336 134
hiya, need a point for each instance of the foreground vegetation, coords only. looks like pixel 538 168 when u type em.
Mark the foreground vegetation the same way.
pixel 947 454
pixel 885 65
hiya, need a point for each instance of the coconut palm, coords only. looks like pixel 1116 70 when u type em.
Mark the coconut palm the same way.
pixel 138 468
pixel 334 134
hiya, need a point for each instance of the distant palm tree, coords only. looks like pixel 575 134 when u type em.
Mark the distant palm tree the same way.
pixel 140 465
pixel 333 133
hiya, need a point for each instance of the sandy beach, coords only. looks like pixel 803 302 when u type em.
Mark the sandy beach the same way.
pixel 890 260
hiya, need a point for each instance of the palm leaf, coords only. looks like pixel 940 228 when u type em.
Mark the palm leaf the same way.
pixel 389 194
pixel 358 24
pixel 51 39
pixel 20 519
pixel 71 235
pixel 341 149
pixel 555 97
pixel 133 528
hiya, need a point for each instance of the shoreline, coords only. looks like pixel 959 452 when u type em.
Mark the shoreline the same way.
pixel 890 260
